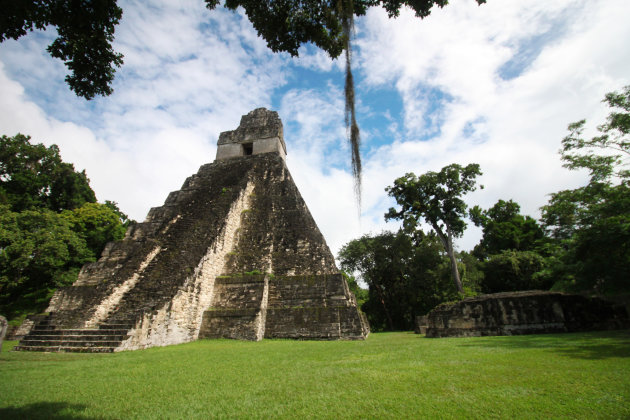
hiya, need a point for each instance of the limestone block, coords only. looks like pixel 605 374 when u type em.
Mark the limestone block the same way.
pixel 3 329
pixel 421 324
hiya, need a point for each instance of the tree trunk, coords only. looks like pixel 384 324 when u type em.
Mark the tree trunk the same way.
pixel 454 270
pixel 389 318
pixel 447 241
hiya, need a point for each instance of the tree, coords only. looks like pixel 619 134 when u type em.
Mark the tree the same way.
pixel 512 250
pixel 607 156
pixel 592 223
pixel 359 293
pixel 34 176
pixel 435 197
pixel 85 32
pixel 124 219
pixel 512 270
pixel 378 260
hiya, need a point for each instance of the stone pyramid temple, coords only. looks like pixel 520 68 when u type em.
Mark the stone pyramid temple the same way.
pixel 235 253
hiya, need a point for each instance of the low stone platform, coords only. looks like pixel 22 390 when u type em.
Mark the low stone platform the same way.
pixel 528 312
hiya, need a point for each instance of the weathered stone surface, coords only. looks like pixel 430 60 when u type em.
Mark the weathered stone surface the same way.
pixel 420 325
pixel 313 307
pixel 3 329
pixel 238 308
pixel 530 312
pixel 302 307
pixel 18 333
pixel 260 131
pixel 166 282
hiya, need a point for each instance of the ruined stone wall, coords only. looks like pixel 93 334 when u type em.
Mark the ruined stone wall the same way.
pixel 531 312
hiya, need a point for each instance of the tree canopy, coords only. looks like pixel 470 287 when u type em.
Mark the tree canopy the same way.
pixel 34 176
pixel 287 24
pixel 85 32
pixel 512 251
pixel 39 252
pixel 504 228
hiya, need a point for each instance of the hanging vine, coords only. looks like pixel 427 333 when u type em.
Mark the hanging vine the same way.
pixel 352 128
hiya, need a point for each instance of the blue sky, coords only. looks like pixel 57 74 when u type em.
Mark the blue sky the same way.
pixel 495 84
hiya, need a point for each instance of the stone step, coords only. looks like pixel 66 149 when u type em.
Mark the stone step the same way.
pixel 78 337
pixel 114 327
pixel 39 327
pixel 106 331
pixel 71 349
pixel 68 343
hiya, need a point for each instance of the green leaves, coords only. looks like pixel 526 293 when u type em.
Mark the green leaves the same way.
pixel 34 176
pixel 512 270
pixel 405 277
pixel 504 228
pixel 592 223
pixel 85 33
pixel 435 197
pixel 50 224
pixel 97 224
pixel 38 251
pixel 287 24
pixel 606 157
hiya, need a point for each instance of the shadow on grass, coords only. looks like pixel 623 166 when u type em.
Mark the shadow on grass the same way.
pixel 45 410
pixel 589 345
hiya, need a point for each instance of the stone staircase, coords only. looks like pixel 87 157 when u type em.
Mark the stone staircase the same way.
pixel 47 337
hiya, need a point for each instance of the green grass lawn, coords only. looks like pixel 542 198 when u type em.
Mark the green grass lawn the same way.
pixel 390 375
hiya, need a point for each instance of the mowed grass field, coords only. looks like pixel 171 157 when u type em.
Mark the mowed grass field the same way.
pixel 390 375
